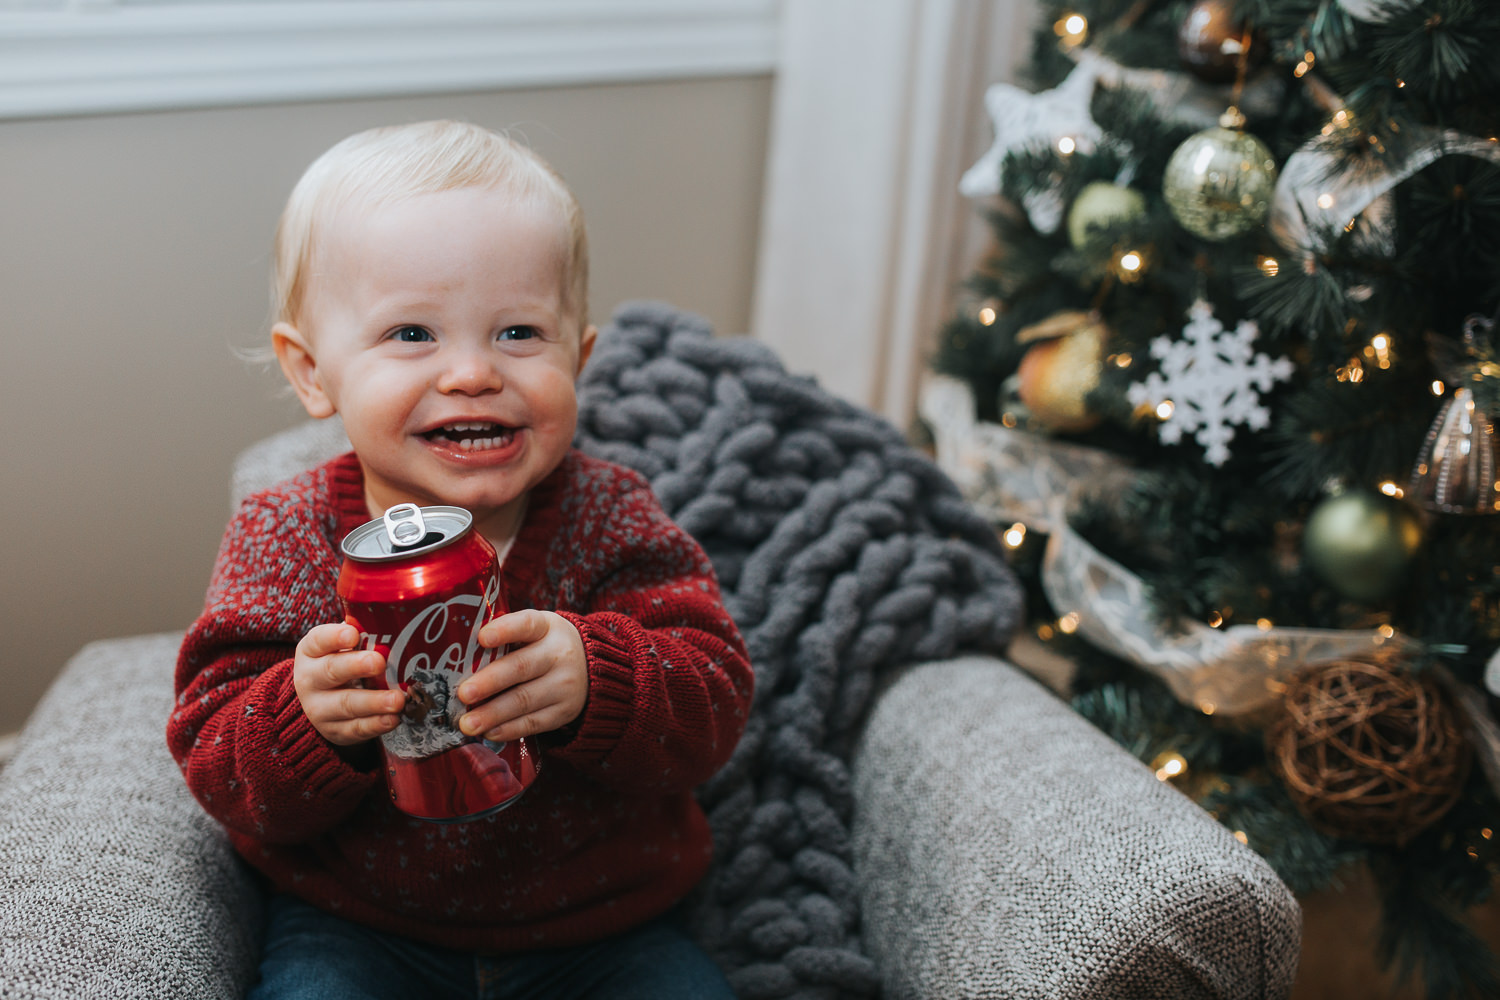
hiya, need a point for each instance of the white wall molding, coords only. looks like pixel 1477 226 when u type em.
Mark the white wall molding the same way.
pixel 100 57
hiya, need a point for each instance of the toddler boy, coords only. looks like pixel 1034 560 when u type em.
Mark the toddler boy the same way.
pixel 431 290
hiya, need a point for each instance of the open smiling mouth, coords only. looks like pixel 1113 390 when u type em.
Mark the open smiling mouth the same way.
pixel 472 436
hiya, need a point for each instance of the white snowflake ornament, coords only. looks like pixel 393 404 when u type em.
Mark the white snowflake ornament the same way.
pixel 1213 379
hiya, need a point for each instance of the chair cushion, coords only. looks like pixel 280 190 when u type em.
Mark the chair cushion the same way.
pixel 113 881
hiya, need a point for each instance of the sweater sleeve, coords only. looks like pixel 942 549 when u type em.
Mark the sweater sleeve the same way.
pixel 670 683
pixel 237 731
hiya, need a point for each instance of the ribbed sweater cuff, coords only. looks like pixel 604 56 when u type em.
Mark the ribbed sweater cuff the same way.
pixel 610 705
pixel 302 750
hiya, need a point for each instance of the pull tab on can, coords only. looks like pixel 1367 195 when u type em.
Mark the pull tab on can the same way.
pixel 404 526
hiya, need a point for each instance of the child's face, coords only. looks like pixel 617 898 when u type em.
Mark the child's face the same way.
pixel 437 327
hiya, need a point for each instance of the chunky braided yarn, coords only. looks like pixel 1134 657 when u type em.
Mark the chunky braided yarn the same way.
pixel 842 553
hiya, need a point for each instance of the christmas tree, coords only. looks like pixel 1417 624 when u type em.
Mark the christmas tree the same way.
pixel 1233 354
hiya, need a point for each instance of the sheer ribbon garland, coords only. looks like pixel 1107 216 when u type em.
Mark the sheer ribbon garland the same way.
pixel 1014 476
pixel 1322 190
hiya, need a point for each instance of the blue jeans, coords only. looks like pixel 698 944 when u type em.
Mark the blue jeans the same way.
pixel 313 955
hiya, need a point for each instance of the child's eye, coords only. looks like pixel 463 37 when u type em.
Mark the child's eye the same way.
pixel 410 335
pixel 519 333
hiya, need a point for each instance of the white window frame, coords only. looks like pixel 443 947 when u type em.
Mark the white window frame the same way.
pixel 80 57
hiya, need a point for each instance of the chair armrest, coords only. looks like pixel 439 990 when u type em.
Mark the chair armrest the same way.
pixel 1006 847
pixel 113 881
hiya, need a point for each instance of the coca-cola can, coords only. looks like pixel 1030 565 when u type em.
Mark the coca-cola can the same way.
pixel 419 584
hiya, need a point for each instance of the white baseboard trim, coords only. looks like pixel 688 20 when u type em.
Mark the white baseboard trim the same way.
pixel 102 56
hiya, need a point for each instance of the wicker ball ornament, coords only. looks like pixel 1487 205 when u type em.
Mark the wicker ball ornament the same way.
pixel 1368 751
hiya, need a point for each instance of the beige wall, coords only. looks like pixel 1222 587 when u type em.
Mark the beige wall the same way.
pixel 133 256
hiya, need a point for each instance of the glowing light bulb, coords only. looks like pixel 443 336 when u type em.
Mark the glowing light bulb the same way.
pixel 1164 410
pixel 1066 145
pixel 1015 535
pixel 1168 765
pixel 1072 29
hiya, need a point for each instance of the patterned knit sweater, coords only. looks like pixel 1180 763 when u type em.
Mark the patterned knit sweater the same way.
pixel 608 836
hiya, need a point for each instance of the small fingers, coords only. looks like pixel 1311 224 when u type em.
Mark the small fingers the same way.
pixel 514 629
pixel 327 658
pixel 333 637
pixel 539 706
pixel 371 726
pixel 354 715
pixel 502 674
pixel 519 712
pixel 343 669
pixel 357 704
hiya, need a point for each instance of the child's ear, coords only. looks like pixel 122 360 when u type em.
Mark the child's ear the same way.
pixel 301 369
pixel 585 346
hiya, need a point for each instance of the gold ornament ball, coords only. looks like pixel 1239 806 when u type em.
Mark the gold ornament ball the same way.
pixel 1100 205
pixel 1361 543
pixel 1219 183
pixel 1057 374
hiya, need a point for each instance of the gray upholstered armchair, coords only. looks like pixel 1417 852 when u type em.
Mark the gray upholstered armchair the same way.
pixel 909 818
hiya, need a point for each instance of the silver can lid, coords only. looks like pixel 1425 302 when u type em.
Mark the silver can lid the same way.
pixel 404 531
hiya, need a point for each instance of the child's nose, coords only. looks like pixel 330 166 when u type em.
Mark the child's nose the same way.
pixel 470 373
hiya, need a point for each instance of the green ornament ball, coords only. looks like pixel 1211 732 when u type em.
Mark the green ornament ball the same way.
pixel 1100 205
pixel 1361 543
pixel 1219 183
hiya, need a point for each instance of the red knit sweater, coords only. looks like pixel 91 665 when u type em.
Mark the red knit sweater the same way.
pixel 608 836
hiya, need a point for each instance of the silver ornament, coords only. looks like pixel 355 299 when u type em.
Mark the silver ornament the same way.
pixel 1219 183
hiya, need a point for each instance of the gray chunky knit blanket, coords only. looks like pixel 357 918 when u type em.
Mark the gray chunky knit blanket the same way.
pixel 843 553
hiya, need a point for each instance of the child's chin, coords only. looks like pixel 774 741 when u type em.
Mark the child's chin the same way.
pixel 478 502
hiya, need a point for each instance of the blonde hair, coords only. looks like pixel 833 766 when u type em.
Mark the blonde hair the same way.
pixel 385 164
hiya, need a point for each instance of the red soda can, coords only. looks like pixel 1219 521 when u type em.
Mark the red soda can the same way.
pixel 419 583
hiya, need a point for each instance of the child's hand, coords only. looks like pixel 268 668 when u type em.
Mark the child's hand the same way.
pixel 327 672
pixel 539 686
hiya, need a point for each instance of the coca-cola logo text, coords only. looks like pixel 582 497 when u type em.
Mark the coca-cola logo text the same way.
pixel 442 636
